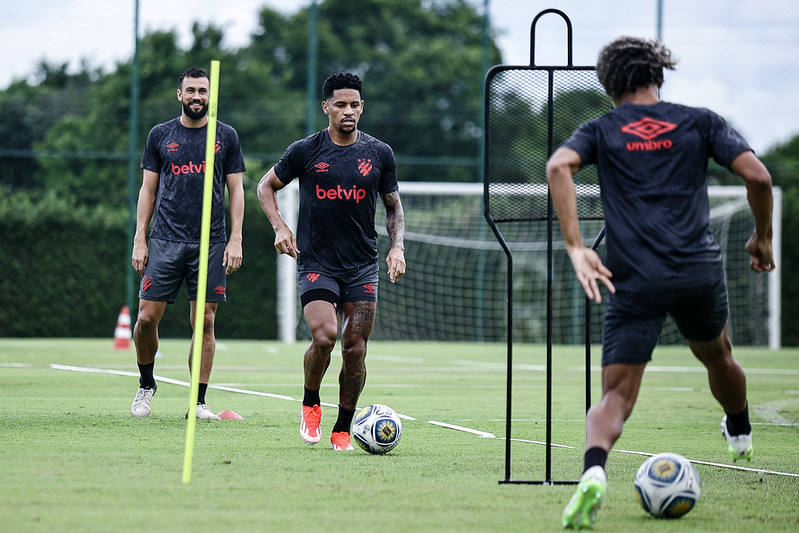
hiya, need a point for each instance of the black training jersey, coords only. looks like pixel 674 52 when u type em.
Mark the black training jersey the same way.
pixel 338 194
pixel 177 153
pixel 652 162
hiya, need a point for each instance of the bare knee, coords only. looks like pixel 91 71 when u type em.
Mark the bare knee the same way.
pixel 323 338
pixel 147 322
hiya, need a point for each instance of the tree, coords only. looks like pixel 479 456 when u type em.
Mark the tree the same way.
pixel 421 65
pixel 94 135
pixel 29 113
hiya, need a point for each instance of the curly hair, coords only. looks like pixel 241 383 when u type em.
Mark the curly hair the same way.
pixel 341 80
pixel 629 63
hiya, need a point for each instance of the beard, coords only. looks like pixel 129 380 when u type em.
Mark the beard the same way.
pixel 192 114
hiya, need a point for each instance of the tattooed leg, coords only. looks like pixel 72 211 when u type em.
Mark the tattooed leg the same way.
pixel 359 318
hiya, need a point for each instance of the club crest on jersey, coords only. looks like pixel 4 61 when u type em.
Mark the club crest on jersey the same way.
pixel 364 166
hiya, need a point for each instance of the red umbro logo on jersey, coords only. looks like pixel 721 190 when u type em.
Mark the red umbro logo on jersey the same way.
pixel 648 128
pixel 321 166
pixel 172 147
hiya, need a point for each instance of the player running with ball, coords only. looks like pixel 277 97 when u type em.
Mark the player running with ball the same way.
pixel 341 171
pixel 661 258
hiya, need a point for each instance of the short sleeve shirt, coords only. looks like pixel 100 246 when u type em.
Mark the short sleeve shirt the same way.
pixel 177 154
pixel 652 162
pixel 339 186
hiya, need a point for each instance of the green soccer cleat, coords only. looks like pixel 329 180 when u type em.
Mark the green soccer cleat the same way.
pixel 739 446
pixel 582 508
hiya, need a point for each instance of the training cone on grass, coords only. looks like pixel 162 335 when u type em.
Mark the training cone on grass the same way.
pixel 122 334
pixel 230 415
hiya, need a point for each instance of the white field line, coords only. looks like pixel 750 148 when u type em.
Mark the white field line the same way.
pixel 176 382
pixel 479 433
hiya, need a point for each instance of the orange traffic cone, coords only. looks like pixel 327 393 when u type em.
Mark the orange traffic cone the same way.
pixel 122 334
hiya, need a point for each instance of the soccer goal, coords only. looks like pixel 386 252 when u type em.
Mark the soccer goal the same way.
pixel 455 288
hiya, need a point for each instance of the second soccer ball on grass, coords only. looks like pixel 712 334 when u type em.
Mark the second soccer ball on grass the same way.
pixel 377 428
pixel 667 485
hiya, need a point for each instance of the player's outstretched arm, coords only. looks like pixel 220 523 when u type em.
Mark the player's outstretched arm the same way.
pixel 758 193
pixel 395 227
pixel 588 267
pixel 285 241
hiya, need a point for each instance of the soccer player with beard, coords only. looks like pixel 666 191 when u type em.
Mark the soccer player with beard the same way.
pixel 171 196
pixel 342 171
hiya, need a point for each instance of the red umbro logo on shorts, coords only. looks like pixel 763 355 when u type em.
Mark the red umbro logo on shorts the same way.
pixel 369 288
pixel 321 166
pixel 219 289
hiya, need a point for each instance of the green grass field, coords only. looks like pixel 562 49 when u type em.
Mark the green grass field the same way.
pixel 73 459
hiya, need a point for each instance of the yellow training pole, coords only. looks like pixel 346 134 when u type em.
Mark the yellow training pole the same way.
pixel 202 277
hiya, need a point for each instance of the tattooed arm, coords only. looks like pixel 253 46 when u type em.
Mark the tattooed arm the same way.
pixel 395 226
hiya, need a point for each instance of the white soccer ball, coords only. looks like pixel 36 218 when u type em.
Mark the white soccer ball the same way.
pixel 667 485
pixel 377 428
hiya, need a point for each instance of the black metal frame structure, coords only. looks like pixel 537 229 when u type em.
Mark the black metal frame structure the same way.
pixel 500 206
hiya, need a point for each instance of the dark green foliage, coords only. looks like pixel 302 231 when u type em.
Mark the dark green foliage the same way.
pixel 64 277
pixel 783 163
pixel 65 274
pixel 64 158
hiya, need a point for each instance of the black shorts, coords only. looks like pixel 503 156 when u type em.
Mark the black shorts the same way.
pixel 634 319
pixel 350 286
pixel 169 263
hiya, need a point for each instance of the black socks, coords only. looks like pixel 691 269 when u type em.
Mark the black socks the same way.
pixel 739 424
pixel 201 393
pixel 344 420
pixel 594 457
pixel 345 416
pixel 147 381
pixel 311 397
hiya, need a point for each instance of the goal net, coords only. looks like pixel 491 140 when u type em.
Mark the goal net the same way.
pixel 455 288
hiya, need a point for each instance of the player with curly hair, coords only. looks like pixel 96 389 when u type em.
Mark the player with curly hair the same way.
pixel 660 256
